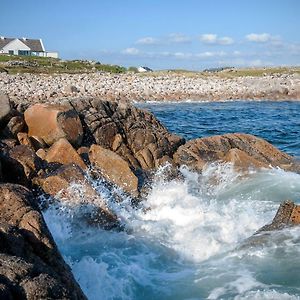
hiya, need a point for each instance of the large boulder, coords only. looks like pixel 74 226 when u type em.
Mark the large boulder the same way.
pixel 31 266
pixel 5 108
pixel 51 122
pixel 63 152
pixel 114 168
pixel 134 134
pixel 20 164
pixel 255 151
pixel 60 184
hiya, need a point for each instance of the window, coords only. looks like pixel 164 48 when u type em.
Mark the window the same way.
pixel 23 52
pixel 11 52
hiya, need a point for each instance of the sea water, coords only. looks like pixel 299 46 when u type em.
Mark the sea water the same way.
pixel 188 239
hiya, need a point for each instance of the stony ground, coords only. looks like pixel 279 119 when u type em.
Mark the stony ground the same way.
pixel 137 87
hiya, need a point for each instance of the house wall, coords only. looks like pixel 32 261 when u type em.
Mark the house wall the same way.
pixel 15 46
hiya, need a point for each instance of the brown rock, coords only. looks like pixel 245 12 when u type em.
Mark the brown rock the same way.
pixel 14 126
pixel 242 161
pixel 196 153
pixel 134 134
pixel 20 165
pixel 24 139
pixel 62 152
pixel 41 153
pixel 57 184
pixel 114 168
pixel 288 214
pixel 52 122
pixel 84 154
pixel 30 265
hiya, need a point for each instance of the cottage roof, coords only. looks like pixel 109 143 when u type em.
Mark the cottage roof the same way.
pixel 33 44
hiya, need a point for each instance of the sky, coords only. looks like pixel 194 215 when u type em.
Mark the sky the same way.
pixel 162 34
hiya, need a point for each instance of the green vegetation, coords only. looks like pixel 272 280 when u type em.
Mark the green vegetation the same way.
pixel 13 64
pixel 227 73
pixel 43 65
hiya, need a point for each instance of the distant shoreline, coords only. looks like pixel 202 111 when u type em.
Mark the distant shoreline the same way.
pixel 32 88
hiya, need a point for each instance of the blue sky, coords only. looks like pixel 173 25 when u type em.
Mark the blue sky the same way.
pixel 162 34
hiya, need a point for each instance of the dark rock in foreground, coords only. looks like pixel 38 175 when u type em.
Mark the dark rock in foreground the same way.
pixel 30 265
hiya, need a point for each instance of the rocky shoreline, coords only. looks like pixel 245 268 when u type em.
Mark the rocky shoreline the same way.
pixel 36 88
pixel 44 148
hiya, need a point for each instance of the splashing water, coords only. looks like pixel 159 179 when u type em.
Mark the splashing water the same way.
pixel 183 243
pixel 188 240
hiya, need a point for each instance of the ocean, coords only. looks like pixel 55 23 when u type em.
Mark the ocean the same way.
pixel 192 241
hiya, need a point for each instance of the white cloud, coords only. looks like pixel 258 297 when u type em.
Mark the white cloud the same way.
pixel 225 40
pixel 261 37
pixel 147 41
pixel 209 54
pixel 179 38
pixel 131 51
pixel 210 38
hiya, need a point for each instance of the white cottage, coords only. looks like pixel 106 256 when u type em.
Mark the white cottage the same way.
pixel 24 46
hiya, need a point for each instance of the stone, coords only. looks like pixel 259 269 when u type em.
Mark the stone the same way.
pixel 242 161
pixel 15 125
pixel 84 154
pixel 134 134
pixel 70 89
pixel 51 122
pixel 114 168
pixel 31 266
pixel 196 153
pixel 20 164
pixel 63 152
pixel 5 108
pixel 288 214
pixel 24 139
pixel 58 185
pixel 41 153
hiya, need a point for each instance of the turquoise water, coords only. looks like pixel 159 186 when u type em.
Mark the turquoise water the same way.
pixel 192 243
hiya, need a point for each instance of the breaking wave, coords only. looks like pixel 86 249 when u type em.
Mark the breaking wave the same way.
pixel 186 240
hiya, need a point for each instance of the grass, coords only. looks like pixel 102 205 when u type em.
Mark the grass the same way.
pixel 228 73
pixel 47 65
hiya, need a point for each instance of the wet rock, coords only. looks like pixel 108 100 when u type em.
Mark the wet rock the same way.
pixel 242 161
pixel 134 134
pixel 114 168
pixel 52 122
pixel 30 265
pixel 196 153
pixel 5 108
pixel 63 152
pixel 20 165
pixel 84 154
pixel 91 207
pixel 288 214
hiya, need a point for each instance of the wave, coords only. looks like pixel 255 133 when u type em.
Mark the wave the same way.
pixel 182 242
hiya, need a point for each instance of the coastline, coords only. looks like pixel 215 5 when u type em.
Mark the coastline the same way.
pixel 34 88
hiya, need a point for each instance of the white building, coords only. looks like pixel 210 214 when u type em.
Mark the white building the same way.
pixel 24 46
pixel 144 69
